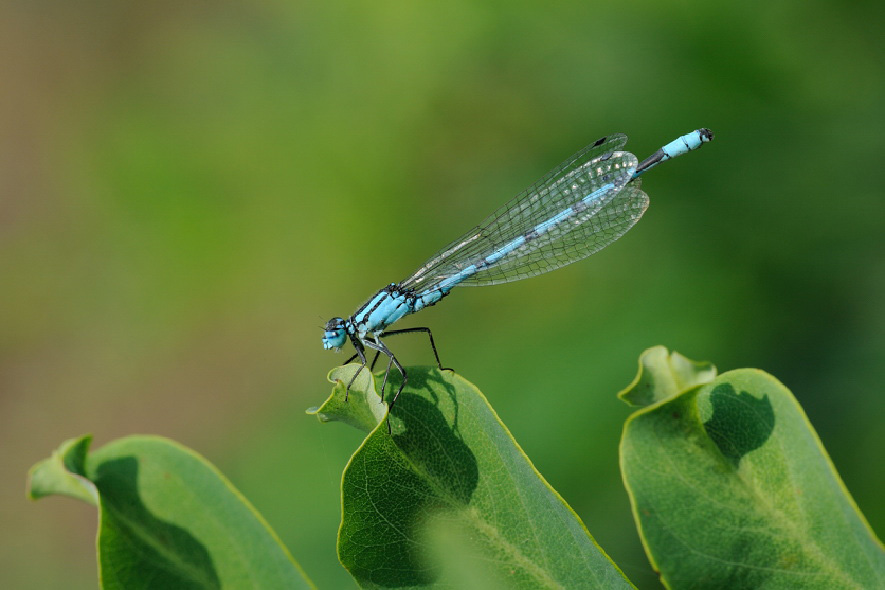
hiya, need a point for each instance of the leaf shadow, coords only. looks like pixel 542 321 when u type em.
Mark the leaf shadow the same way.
pixel 740 422
pixel 165 555
pixel 423 469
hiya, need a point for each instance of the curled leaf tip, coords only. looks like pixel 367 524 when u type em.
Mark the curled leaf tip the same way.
pixel 64 473
pixel 663 374
pixel 361 406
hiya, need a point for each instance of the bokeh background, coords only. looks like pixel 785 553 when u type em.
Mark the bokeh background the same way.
pixel 188 190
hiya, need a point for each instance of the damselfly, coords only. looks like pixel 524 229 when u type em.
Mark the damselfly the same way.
pixel 577 209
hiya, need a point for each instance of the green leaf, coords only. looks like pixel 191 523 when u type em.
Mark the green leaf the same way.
pixel 450 474
pixel 731 488
pixel 167 518
pixel 663 374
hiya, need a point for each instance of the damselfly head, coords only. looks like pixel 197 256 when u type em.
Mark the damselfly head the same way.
pixel 335 334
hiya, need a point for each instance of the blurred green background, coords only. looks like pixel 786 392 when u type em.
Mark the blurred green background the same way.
pixel 190 189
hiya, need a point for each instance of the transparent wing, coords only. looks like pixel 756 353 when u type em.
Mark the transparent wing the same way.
pixel 586 223
pixel 588 233
pixel 532 203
